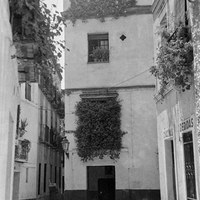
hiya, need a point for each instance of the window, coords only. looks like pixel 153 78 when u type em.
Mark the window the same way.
pixel 45 173
pixel 46 136
pixel 27 91
pixel 55 176
pixel 51 171
pixel 18 117
pixel 59 177
pixel 189 165
pixel 39 176
pixel 63 184
pixel 98 48
pixel 26 175
pixel 46 116
pixel 41 122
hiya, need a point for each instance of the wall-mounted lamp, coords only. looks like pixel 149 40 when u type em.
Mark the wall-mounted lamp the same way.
pixel 65 146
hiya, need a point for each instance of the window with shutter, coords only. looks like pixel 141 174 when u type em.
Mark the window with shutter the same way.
pixel 27 71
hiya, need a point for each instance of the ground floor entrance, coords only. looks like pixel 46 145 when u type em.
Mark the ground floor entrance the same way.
pixel 170 169
pixel 101 183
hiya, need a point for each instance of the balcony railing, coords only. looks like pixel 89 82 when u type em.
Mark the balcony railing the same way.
pixel 22 149
pixel 50 91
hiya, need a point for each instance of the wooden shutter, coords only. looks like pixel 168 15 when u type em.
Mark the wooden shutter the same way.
pixel 98 36
pixel 27 70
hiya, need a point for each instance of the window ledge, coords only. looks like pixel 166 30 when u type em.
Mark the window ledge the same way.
pixel 101 62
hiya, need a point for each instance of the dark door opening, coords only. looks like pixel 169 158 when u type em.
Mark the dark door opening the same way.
pixel 106 189
pixel 101 183
pixel 170 169
pixel 189 166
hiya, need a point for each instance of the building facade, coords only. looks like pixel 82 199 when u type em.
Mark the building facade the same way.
pixel 9 99
pixel 38 168
pixel 123 71
pixel 176 115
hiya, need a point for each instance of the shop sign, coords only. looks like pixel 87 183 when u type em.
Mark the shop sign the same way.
pixel 187 124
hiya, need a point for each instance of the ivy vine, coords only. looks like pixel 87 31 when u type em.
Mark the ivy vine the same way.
pixel 32 21
pixel 174 59
pixel 98 130
pixel 85 9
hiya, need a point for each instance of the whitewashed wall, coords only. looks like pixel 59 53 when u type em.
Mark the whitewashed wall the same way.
pixel 9 98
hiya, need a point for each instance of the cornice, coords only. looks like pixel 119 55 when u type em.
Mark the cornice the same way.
pixel 68 91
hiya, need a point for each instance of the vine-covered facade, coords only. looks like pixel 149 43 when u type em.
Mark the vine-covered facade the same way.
pixel 109 115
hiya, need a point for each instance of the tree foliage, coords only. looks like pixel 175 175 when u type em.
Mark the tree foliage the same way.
pixel 98 130
pixel 32 21
pixel 84 9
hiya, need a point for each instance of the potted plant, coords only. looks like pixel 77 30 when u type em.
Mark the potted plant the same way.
pixel 22 128
pixel 100 54
pixel 26 145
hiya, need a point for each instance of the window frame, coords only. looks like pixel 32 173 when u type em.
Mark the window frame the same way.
pixel 98 38
pixel 28 91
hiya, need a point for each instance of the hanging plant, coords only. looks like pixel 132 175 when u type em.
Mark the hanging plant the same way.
pixel 174 60
pixel 84 9
pixel 98 130
pixel 26 145
pixel 22 129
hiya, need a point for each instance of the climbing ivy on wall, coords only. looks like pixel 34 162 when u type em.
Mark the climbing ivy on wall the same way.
pixel 98 132
pixel 84 9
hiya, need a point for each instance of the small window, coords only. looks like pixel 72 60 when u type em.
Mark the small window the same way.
pixel 59 177
pixel 55 175
pixel 45 177
pixel 39 178
pixel 51 173
pixel 98 48
pixel 27 91
pixel 26 175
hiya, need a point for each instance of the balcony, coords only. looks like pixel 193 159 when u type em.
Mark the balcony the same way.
pixel 22 148
pixel 51 92
pixel 27 68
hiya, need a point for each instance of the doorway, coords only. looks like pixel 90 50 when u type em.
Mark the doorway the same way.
pixel 106 189
pixel 189 165
pixel 16 182
pixel 170 169
pixel 101 182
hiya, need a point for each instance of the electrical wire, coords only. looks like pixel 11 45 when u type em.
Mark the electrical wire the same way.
pixel 117 84
pixel 135 76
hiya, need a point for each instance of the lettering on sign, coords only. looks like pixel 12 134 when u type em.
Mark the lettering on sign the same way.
pixel 187 124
